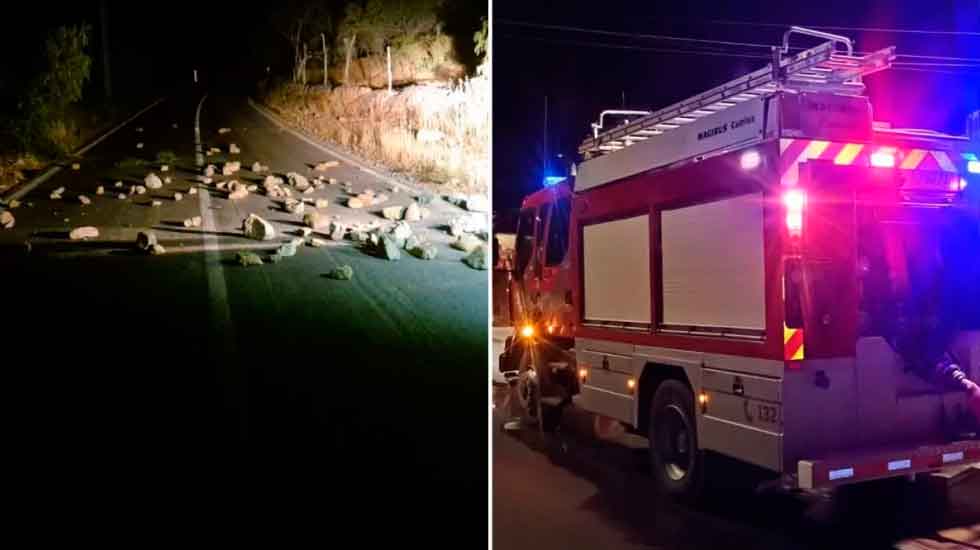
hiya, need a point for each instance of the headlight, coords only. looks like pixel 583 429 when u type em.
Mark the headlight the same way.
pixel 527 331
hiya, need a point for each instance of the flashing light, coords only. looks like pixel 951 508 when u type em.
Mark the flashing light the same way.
pixel 631 384
pixel 957 184
pixel 795 201
pixel 527 331
pixel 703 401
pixel 582 374
pixel 973 166
pixel 883 159
pixel 750 160
pixel 551 181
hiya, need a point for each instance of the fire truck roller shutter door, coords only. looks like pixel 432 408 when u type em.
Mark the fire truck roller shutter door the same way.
pixel 617 270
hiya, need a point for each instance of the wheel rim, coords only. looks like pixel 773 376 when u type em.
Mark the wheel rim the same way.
pixel 675 442
pixel 527 391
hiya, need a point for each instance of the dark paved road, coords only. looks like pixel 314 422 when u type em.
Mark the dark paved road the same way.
pixel 139 379
pixel 571 491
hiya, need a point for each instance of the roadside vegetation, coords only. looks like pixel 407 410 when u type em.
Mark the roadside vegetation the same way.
pixel 433 124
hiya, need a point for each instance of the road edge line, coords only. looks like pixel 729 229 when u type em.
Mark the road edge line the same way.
pixel 346 157
pixel 26 188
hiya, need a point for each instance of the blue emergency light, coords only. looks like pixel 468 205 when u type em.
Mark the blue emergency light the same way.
pixel 551 181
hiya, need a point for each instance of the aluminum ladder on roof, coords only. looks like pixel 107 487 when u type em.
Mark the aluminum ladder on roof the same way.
pixel 822 68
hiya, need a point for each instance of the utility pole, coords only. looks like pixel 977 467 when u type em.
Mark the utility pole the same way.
pixel 107 81
pixel 545 136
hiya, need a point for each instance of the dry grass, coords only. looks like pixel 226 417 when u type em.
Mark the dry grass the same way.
pixel 438 134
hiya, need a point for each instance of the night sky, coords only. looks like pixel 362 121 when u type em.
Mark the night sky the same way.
pixel 581 80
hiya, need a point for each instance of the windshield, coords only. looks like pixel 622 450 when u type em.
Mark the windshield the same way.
pixel 919 276
pixel 525 240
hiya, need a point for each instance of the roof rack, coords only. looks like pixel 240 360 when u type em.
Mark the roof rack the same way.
pixel 822 68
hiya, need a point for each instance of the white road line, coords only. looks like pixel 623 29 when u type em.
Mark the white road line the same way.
pixel 47 174
pixel 329 151
pixel 217 288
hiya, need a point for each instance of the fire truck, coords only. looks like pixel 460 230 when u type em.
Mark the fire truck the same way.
pixel 764 272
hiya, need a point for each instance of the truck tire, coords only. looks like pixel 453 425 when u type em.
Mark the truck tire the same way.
pixel 675 458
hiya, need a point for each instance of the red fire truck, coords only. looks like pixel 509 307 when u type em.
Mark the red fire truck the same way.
pixel 765 272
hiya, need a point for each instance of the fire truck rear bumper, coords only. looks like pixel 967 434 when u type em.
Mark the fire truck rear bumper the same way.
pixel 853 468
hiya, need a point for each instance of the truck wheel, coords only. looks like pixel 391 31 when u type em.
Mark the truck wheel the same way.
pixel 675 458
pixel 528 390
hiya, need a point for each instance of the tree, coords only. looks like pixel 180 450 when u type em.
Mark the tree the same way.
pixel 300 22
pixel 60 84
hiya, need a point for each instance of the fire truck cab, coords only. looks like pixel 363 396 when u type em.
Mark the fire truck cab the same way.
pixel 764 272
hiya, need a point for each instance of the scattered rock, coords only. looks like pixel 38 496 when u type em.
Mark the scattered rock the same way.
pixel 389 248
pixel 178 196
pixel 230 168
pixel 83 232
pixel 224 130
pixel 298 181
pixel 424 251
pixel 466 243
pixel 233 149
pixel 380 199
pixel 252 188
pixel 174 125
pixel 321 203
pixel 237 191
pixel 153 181
pixel 164 168
pixel 132 189
pixel 316 243
pixel 145 240
pixel 393 212
pixel 14 204
pixel 287 250
pixel 257 228
pixel 84 200
pixel 257 167
pixel 425 213
pixel 247 259
pixel 204 179
pixel 140 189
pixel 56 194
pixel 413 212
pixel 401 231
pixel 360 236
pixel 355 203
pixel 118 184
pixel 100 190
pixel 304 232
pixel 326 165
pixel 342 273
pixel 314 220
pixel 209 171
pixel 478 258
pixel 332 181
pixel 467 223
pixel 157 250
pixel 221 185
pixel 139 145
pixel 121 196
pixel 337 231
pixel 424 199
pixel 294 206
pixel 7 220
pixel 167 179
pixel 139 129
pixel 157 203
pixel 192 191
pixel 75 166
pixel 214 151
pixel 477 203
pixel 193 222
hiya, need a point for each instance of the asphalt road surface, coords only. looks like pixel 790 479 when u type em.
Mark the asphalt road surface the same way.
pixel 140 378
pixel 570 490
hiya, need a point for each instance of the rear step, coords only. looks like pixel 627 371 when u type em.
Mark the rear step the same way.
pixel 843 470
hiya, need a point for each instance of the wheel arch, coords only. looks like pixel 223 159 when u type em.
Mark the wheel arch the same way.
pixel 655 373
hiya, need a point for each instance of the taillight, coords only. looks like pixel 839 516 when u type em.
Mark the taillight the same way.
pixel 795 202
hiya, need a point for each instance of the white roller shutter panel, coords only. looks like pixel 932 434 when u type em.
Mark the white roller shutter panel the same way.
pixel 714 264
pixel 617 270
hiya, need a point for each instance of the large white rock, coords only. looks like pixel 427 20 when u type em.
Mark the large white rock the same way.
pixel 477 203
pixel 468 223
pixel 83 232
pixel 257 228
pixel 393 213
pixel 237 191
pixel 153 181
pixel 413 212
pixel 401 231
pixel 230 168
pixel 100 190
pixel 7 220
pixel 326 165
pixel 233 149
